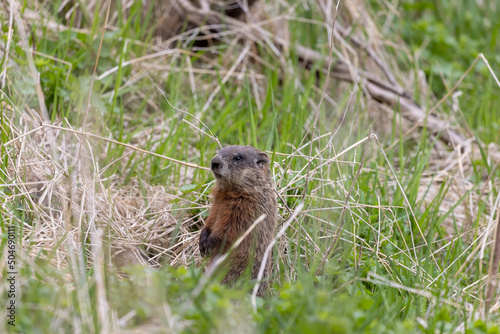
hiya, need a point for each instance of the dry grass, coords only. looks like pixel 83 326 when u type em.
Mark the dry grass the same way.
pixel 58 176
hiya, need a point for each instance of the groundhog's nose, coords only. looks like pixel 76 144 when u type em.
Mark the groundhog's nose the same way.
pixel 216 162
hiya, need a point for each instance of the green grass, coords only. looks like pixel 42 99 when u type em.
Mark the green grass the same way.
pixel 449 35
pixel 401 264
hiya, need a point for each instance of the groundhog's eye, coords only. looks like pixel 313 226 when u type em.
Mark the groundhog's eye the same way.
pixel 238 158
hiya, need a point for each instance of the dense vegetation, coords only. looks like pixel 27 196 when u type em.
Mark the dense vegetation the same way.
pixel 403 215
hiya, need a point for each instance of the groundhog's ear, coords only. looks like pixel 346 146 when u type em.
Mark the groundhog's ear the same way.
pixel 262 159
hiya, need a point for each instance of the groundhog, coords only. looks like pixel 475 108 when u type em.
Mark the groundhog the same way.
pixel 243 192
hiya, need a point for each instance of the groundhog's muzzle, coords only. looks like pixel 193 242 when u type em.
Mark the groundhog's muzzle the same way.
pixel 217 165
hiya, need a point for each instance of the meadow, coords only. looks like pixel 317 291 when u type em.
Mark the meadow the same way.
pixel 381 119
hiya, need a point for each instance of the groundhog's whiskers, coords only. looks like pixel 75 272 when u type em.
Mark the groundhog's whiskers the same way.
pixel 256 287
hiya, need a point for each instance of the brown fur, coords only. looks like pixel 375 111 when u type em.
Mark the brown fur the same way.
pixel 243 192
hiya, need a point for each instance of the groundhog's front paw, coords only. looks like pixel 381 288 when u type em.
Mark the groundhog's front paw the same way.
pixel 204 242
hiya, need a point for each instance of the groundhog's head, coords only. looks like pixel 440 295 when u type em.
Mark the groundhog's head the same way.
pixel 242 167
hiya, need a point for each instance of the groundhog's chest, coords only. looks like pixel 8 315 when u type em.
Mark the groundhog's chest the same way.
pixel 239 211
